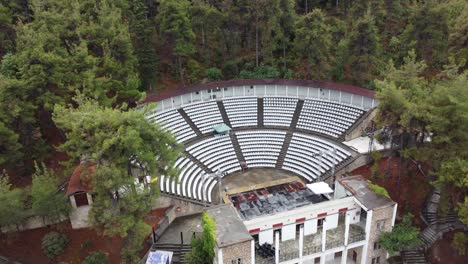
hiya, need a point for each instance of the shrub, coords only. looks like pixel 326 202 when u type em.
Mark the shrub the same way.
pixel 379 190
pixel 213 74
pixel 459 242
pixel 53 244
pixel 96 257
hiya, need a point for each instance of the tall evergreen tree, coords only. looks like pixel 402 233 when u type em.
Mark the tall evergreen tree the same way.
pixel 313 42
pixel 176 32
pixel 47 200
pixel 142 29
pixel 11 204
pixel 70 47
pixel 364 47
pixel 109 138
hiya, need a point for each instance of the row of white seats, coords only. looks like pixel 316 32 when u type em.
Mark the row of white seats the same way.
pixel 278 111
pixel 189 183
pixel 204 115
pixel 242 111
pixel 261 148
pixel 311 156
pixel 326 117
pixel 172 120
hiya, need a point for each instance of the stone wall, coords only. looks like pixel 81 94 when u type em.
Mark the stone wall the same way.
pixel 356 130
pixel 240 250
pixel 382 214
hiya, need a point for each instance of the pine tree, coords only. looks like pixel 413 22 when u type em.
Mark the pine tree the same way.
pixel 175 29
pixel 142 31
pixel 109 138
pixel 11 204
pixel 313 42
pixel 364 47
pixel 47 200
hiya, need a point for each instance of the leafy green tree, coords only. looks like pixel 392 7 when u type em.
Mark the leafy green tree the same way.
pixel 313 42
pixel 263 15
pixel 459 242
pixel 403 235
pixel 214 74
pixel 108 138
pixel 11 204
pixel 364 51
pixel 176 31
pixel 203 247
pixel 261 72
pixel 47 200
pixel 207 24
pixel 69 47
pixel 287 19
pixel 95 257
pixel 10 149
pixel 53 244
pixel 428 31
pixel 142 30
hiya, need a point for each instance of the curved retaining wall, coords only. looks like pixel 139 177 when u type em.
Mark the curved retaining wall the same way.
pixel 336 92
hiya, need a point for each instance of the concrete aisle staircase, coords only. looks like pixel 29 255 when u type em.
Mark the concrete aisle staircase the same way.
pixel 236 146
pixel 284 150
pixel 260 112
pixel 297 113
pixel 189 121
pixel 224 115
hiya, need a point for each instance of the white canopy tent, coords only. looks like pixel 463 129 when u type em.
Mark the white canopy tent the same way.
pixel 319 188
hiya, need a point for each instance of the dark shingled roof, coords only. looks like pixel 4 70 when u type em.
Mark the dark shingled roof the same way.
pixel 359 187
pixel 180 90
pixel 78 183
pixel 230 229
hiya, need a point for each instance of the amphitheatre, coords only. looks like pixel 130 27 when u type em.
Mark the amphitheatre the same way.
pixel 292 127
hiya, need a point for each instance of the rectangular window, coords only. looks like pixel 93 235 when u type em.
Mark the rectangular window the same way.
pixel 381 225
pixel 236 261
pixel 320 222
pixel 373 260
pixel 377 260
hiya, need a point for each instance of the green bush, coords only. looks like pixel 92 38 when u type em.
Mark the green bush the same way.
pixel 459 242
pixel 379 190
pixel 213 74
pixel 96 257
pixel 53 244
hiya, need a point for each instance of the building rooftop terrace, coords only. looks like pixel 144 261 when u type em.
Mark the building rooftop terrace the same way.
pixel 274 199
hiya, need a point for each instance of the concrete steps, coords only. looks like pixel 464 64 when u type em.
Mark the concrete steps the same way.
pixel 260 112
pixel 179 251
pixel 236 146
pixel 413 256
pixel 284 150
pixel 189 121
pixel 224 115
pixel 297 113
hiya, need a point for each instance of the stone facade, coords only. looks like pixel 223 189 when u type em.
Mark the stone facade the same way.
pixel 240 250
pixel 382 221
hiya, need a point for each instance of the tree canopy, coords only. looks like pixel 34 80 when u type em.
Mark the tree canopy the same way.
pixel 108 138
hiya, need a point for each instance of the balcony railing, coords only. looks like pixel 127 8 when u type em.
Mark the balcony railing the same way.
pixel 356 238
pixel 288 256
pixel 311 249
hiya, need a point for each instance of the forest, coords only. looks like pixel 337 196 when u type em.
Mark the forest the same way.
pixel 64 58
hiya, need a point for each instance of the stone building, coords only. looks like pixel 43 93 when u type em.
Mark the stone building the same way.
pixel 290 223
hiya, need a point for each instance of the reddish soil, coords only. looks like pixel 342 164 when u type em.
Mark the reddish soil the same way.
pixel 442 252
pixel 409 190
pixel 25 246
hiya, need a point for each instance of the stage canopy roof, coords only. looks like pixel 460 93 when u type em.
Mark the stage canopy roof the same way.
pixel 221 128
pixel 319 188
